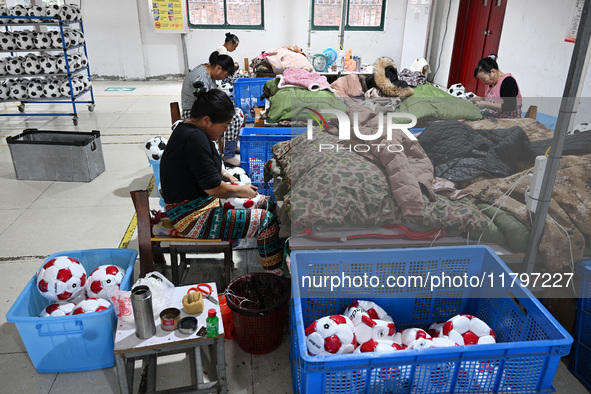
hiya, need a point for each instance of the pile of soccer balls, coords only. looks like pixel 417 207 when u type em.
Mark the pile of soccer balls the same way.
pixel 63 281
pixel 365 327
pixel 39 14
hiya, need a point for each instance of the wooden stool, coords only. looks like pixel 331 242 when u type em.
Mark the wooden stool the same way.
pixel 153 248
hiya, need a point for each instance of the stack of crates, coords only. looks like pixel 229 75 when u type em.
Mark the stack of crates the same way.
pixel 247 94
pixel 530 342
pixel 255 150
pixel 580 360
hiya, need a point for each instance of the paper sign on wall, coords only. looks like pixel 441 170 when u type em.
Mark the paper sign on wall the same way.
pixel 168 16
pixel 571 36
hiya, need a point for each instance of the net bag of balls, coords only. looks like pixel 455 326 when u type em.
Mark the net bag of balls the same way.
pixel 259 302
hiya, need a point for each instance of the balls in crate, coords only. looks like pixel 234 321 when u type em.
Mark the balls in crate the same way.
pixel 331 335
pixel 102 278
pixel 61 279
pixel 380 346
pixel 42 40
pixel 31 65
pixel 366 328
pixel 14 65
pixel 435 329
pixel 18 91
pixel 240 203
pixel 154 147
pixel 35 90
pixel 7 41
pixel 468 330
pixel 51 89
pixel 90 305
pixel 408 336
pixel 37 11
pixel 57 309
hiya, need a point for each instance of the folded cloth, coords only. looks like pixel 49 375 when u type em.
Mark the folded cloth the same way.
pixel 299 78
pixel 413 78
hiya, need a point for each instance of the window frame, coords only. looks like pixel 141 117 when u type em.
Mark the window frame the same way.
pixel 226 25
pixel 353 28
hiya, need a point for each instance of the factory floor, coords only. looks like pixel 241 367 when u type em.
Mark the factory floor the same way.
pixel 44 217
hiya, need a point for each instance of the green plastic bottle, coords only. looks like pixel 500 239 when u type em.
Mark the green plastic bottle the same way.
pixel 212 323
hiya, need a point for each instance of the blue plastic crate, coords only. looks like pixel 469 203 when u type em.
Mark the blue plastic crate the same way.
pixel 584 272
pixel 155 164
pixel 580 362
pixel 70 343
pixel 525 359
pixel 247 94
pixel 255 150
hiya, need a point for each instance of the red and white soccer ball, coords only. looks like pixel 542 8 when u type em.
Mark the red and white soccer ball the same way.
pixel 408 336
pixel 425 343
pixel 58 309
pixel 240 203
pixel 90 305
pixel 468 330
pixel 101 278
pixel 372 323
pixel 333 334
pixel 373 310
pixel 385 346
pixel 436 329
pixel 61 279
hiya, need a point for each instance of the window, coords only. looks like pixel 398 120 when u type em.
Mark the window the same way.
pixel 237 14
pixel 361 15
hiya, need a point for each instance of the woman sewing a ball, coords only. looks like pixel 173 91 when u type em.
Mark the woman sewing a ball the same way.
pixel 502 98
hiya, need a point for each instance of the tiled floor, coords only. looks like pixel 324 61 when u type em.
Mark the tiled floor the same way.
pixel 41 218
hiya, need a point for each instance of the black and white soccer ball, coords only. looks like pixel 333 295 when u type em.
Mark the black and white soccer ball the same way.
pixel 9 82
pixel 51 89
pixel 56 39
pixel 240 174
pixel 154 147
pixel 7 41
pixel 24 40
pixel 76 11
pixel 67 13
pixel 14 65
pixel 84 80
pixel 31 65
pixel 3 66
pixel 53 11
pixel 60 62
pixel 36 11
pixel 457 90
pixel 18 91
pixel 42 40
pixel 580 128
pixel 71 38
pixel 5 12
pixel 35 90
pixel 65 88
pixel 74 60
pixel 226 87
pixel 83 60
pixel 79 37
pixel 4 92
pixel 18 11
pixel 48 64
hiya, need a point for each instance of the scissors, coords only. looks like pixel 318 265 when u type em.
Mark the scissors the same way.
pixel 206 290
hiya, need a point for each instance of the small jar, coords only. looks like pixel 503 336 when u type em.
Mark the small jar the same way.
pixel 212 324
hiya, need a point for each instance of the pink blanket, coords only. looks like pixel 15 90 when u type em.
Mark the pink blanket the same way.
pixel 298 78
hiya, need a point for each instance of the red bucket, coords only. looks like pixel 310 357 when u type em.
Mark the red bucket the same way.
pixel 259 304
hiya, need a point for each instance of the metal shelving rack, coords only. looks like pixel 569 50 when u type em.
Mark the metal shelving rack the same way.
pixel 73 98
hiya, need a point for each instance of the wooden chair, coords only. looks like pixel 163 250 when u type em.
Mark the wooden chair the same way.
pixel 151 248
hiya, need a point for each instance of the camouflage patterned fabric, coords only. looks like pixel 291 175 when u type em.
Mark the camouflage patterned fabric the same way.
pixel 570 206
pixel 336 189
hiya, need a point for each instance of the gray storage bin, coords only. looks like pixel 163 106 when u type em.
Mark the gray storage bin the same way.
pixel 57 155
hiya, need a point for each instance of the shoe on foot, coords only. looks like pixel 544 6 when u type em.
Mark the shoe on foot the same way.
pixel 232 161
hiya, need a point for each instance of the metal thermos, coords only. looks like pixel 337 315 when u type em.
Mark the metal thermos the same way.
pixel 358 64
pixel 141 302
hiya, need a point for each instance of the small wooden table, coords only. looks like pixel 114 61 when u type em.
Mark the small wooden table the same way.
pixel 128 347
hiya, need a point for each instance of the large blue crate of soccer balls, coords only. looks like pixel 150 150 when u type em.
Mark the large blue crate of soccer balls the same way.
pixel 247 94
pixel 255 150
pixel 530 342
pixel 71 343
pixel 580 360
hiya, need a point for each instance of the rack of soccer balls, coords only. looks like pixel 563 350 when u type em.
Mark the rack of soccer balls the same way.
pixel 65 282
pixel 44 76
pixel 366 327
